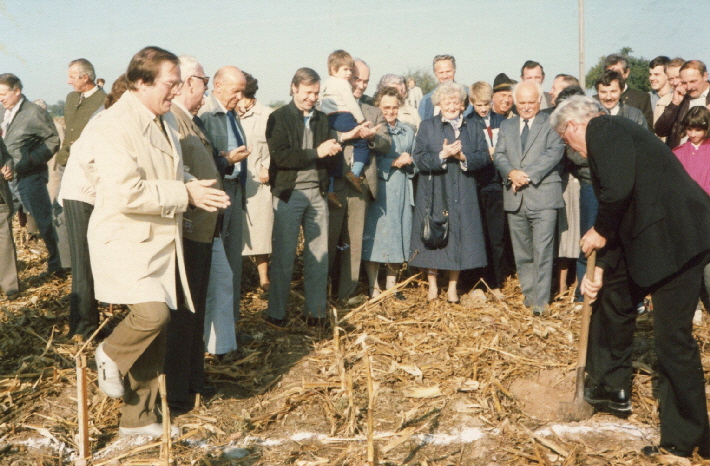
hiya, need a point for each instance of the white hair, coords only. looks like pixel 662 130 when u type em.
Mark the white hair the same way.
pixel 188 66
pixel 446 89
pixel 578 108
pixel 537 85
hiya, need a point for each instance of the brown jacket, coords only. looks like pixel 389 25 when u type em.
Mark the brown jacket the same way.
pixel 197 155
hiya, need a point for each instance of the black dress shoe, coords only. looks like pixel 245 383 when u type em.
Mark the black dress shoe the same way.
pixel 277 322
pixel 651 450
pixel 206 391
pixel 615 400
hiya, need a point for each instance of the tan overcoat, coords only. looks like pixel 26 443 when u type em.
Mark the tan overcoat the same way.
pixel 135 230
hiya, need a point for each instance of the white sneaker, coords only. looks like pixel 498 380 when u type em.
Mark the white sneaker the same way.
pixel 698 317
pixel 154 430
pixel 108 375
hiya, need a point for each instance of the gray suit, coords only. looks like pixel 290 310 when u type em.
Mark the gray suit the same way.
pixel 532 211
pixel 347 223
pixel 215 121
pixel 633 114
pixel 8 258
pixel 32 140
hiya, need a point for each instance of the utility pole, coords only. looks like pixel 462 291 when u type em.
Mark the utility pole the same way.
pixel 582 80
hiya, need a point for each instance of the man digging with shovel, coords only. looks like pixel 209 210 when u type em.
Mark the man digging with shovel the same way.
pixel 652 235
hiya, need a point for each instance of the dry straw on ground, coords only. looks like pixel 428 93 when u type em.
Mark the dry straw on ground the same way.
pixel 395 379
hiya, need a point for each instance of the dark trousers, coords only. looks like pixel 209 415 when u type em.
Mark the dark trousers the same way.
pixel 681 385
pixel 185 351
pixel 495 229
pixel 83 311
pixel 35 197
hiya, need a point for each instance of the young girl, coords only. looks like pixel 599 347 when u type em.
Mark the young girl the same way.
pixel 694 154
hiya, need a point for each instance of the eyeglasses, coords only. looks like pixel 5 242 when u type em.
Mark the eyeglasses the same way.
pixel 205 79
pixel 174 87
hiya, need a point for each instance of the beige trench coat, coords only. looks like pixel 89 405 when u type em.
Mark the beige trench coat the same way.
pixel 259 213
pixel 135 230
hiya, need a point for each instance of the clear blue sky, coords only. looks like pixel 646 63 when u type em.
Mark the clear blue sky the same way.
pixel 271 39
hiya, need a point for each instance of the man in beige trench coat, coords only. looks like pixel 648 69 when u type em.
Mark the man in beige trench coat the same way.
pixel 135 229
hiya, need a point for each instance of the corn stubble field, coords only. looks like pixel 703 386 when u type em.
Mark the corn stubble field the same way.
pixel 398 383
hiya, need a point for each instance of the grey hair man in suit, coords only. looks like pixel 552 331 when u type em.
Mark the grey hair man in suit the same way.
pixel 31 139
pixel 227 136
pixel 527 155
pixel 347 222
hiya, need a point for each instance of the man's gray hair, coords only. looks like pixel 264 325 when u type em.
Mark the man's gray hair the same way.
pixel 188 66
pixel 84 67
pixel 578 108
pixel 448 89
pixel 439 58
pixel 392 80
pixel 524 84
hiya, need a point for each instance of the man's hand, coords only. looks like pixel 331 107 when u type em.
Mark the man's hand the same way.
pixel 591 288
pixel 264 175
pixel 237 155
pixel 678 94
pixel 354 133
pixel 368 133
pixel 403 160
pixel 201 195
pixel 328 148
pixel 592 241
pixel 6 172
pixel 519 179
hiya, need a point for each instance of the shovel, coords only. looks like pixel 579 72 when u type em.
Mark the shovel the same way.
pixel 579 409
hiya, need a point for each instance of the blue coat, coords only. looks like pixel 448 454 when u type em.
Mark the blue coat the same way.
pixel 388 221
pixel 466 248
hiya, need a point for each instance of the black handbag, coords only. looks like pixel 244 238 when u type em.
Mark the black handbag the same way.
pixel 435 229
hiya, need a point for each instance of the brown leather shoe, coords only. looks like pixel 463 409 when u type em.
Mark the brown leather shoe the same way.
pixel 354 181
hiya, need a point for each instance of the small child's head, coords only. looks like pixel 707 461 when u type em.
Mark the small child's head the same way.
pixel 480 97
pixel 340 64
pixel 696 124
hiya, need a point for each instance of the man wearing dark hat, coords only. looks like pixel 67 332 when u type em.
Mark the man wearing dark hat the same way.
pixel 503 96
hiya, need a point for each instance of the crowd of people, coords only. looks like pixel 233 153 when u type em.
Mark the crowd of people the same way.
pixel 167 185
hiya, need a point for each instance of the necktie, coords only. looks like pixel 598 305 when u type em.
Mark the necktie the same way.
pixel 490 133
pixel 81 99
pixel 524 135
pixel 159 121
pixel 240 142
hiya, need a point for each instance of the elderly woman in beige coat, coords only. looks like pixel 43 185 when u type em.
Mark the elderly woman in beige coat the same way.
pixel 259 212
pixel 135 230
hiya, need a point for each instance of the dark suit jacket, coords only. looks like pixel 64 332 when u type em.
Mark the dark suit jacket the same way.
pixel 31 139
pixel 640 100
pixel 488 177
pixel 669 124
pixel 76 116
pixel 5 194
pixel 649 207
pixel 284 135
